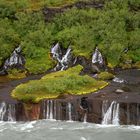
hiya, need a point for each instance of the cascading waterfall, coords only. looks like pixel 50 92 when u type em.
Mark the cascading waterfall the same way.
pixel 7 112
pixel 111 116
pixel 11 112
pixel 64 59
pixel 2 110
pixel 85 118
pixel 49 112
pixel 70 111
pixel 115 119
pixel 51 109
pixel 16 60
pixel 97 57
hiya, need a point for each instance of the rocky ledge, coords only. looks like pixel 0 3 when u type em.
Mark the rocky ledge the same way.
pixel 118 103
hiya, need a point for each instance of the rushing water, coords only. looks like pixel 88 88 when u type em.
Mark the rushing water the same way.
pixel 57 130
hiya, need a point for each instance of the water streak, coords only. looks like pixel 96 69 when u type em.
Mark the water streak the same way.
pixel 85 118
pixel 11 112
pixel 70 111
pixel 112 114
pixel 2 110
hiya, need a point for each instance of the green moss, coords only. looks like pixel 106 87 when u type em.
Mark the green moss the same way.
pixel 39 65
pixel 56 84
pixel 136 65
pixel 105 76
pixel 16 74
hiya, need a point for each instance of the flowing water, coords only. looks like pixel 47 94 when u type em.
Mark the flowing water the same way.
pixel 57 130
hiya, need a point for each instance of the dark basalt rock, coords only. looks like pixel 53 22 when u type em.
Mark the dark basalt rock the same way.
pixel 51 12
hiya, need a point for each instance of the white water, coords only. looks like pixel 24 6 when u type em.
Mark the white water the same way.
pixel 97 57
pixel 2 110
pixel 65 59
pixel 7 112
pixel 49 113
pixel 14 59
pixel 85 118
pixel 118 80
pixel 57 130
pixel 11 113
pixel 70 111
pixel 111 116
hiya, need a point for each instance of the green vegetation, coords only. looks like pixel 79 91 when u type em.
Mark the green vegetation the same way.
pixel 16 74
pixel 105 76
pixel 112 29
pixel 57 84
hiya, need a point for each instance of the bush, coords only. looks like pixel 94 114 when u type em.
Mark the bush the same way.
pixel 105 76
pixel 55 84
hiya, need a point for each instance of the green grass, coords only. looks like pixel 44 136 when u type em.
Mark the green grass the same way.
pixel 30 5
pixel 57 84
pixel 105 76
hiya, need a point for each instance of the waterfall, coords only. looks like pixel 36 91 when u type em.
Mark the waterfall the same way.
pixel 49 112
pixel 2 110
pixel 97 57
pixel 111 116
pixel 7 112
pixel 85 118
pixel 115 119
pixel 51 109
pixel 16 59
pixel 11 113
pixel 56 52
pixel 64 59
pixel 70 111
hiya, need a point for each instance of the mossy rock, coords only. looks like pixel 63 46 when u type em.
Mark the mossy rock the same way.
pixel 57 84
pixel 136 65
pixel 105 76
pixel 16 74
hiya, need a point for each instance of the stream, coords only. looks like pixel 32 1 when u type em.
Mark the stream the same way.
pixel 57 130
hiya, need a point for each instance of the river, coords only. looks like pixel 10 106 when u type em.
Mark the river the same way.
pixel 58 130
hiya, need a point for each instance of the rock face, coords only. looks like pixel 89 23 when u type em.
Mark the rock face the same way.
pixel 16 60
pixel 101 112
pixel 104 107
pixel 64 59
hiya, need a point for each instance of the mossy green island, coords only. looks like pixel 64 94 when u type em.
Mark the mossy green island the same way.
pixel 57 84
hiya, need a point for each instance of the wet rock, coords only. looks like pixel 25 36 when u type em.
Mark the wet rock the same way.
pixel 16 60
pixel 98 61
pixel 64 58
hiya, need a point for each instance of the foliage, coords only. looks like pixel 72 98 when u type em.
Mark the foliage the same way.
pixel 105 76
pixel 16 74
pixel 113 29
pixel 56 84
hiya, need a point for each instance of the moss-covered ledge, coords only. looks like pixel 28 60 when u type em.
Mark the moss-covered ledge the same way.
pixel 56 84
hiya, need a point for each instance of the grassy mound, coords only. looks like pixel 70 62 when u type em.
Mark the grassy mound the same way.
pixel 57 84
pixel 105 76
